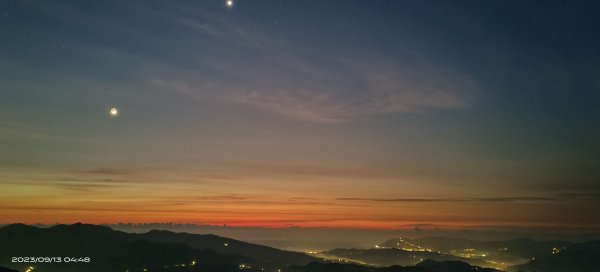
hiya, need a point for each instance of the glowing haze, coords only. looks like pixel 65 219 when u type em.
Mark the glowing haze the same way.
pixel 365 114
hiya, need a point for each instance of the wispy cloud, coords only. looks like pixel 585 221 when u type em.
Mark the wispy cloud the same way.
pixel 475 199
pixel 108 171
pixel 242 62
pixel 355 87
pixel 332 90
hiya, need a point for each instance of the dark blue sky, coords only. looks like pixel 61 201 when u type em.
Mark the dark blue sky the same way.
pixel 434 100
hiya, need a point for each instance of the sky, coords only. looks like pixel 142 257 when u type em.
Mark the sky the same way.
pixel 361 114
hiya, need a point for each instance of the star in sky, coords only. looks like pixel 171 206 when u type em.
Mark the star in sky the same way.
pixel 114 112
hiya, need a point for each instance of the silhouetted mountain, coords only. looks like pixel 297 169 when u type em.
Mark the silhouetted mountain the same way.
pixel 452 266
pixel 228 246
pixel 3 269
pixel 327 267
pixel 582 257
pixel 165 251
pixel 108 250
pixel 425 266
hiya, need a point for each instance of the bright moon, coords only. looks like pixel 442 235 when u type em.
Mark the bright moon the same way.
pixel 114 112
pixel 230 3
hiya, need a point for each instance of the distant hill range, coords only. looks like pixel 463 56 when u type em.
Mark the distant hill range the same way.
pixel 514 255
pixel 520 248
pixel 225 246
pixel 425 266
pixel 392 256
pixel 165 251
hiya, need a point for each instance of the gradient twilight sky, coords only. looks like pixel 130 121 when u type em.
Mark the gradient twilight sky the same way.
pixel 332 113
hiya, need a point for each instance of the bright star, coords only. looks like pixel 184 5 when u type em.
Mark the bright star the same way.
pixel 114 112
pixel 229 3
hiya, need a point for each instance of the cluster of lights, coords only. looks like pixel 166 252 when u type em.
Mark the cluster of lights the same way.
pixel 497 265
pixel 193 263
pixel 466 253
pixel 556 250
pixel 412 247
pixel 419 248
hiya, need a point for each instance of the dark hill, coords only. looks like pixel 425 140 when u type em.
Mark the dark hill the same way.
pixel 108 250
pixel 452 266
pixel 228 246
pixel 425 266
pixel 582 257
pixel 195 241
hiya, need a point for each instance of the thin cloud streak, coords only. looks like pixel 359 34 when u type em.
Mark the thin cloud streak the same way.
pixel 301 82
pixel 476 199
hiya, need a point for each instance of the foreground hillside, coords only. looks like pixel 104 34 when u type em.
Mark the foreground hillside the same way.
pixel 111 250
